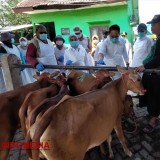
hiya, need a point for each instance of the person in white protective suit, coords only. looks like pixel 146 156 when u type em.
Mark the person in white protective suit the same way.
pixel 40 51
pixel 7 47
pixel 142 46
pixel 112 51
pixel 128 46
pixel 26 73
pixel 75 54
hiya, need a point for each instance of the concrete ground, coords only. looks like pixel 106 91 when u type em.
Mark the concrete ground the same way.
pixel 143 146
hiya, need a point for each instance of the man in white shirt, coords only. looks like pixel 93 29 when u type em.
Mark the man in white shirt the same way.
pixel 75 54
pixel 113 52
pixel 142 46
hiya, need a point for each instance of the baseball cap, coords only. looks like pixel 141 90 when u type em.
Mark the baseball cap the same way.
pixel 59 37
pixel 141 27
pixel 5 36
pixel 155 19
pixel 77 29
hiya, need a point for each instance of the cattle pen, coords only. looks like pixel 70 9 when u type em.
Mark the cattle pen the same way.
pixel 144 147
pixel 11 70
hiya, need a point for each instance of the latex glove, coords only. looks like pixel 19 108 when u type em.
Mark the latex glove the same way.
pixel 40 67
pixel 69 62
pixel 61 59
pixel 101 62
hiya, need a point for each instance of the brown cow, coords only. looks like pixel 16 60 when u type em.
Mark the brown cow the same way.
pixel 83 122
pixel 34 98
pixel 9 108
pixel 80 82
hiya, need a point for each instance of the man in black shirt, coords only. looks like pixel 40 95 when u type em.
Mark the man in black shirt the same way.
pixel 151 81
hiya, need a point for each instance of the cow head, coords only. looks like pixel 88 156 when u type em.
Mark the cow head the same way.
pixel 103 76
pixel 132 80
pixel 45 75
pixel 59 79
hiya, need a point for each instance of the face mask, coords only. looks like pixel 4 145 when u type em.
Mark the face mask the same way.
pixel 74 44
pixel 141 34
pixel 23 43
pixel 59 43
pixel 96 41
pixel 114 40
pixel 43 36
pixel 12 40
pixel 79 35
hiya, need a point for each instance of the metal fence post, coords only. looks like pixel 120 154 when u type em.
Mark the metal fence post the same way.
pixel 12 75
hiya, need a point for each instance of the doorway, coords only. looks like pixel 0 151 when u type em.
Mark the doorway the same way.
pixel 98 30
pixel 50 29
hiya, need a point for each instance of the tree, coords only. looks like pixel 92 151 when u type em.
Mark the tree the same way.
pixel 8 17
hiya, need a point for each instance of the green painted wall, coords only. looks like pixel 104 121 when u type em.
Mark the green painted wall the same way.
pixel 87 17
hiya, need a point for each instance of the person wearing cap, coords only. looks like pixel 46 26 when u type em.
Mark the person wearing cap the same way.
pixel 142 46
pixel 7 47
pixel 128 46
pixel 26 73
pixel 83 40
pixel 40 51
pixel 59 49
pixel 151 81
pixel 75 54
pixel 112 51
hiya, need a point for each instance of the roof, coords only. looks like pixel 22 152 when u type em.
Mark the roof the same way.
pixel 32 5
pixel 13 28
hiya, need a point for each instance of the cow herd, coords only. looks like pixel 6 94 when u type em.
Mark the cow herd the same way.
pixel 72 114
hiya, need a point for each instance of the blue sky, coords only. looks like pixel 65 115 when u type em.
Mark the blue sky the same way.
pixel 147 9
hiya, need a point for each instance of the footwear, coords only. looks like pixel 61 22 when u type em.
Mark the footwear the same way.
pixel 149 128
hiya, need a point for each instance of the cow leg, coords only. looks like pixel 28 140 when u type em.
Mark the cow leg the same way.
pixel 120 135
pixel 109 140
pixel 7 137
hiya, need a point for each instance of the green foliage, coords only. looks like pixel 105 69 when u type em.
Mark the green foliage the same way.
pixel 8 17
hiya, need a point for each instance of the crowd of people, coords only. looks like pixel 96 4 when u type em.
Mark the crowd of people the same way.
pixel 113 49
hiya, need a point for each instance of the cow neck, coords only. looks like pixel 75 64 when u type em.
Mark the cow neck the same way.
pixel 122 87
pixel 44 82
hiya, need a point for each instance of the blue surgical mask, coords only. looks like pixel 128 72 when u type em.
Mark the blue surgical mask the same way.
pixel 43 36
pixel 141 34
pixel 12 40
pixel 114 40
pixel 74 44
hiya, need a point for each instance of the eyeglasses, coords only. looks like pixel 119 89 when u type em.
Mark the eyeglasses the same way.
pixel 77 33
pixel 42 32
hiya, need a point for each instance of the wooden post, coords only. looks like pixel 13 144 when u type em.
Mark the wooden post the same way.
pixel 12 75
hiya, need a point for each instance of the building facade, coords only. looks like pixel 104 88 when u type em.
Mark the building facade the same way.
pixel 93 16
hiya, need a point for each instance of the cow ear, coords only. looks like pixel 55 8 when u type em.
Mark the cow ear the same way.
pixel 111 74
pixel 132 77
pixel 36 77
pixel 121 69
